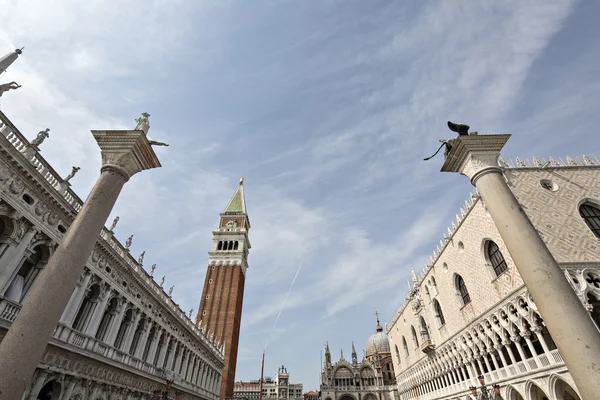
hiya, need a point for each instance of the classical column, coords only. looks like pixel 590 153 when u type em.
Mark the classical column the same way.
pixel 96 317
pixel 71 310
pixel 154 345
pixel 527 336
pixel 141 346
pixel 129 335
pixel 12 258
pixel 172 356
pixel 37 386
pixel 163 350
pixel 124 153
pixel 575 334
pixel 116 323
pixel 538 332
pixel 506 344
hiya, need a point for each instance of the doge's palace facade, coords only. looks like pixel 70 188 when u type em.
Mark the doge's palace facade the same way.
pixel 468 314
pixel 121 336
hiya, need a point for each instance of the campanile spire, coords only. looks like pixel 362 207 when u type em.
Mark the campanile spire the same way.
pixel 220 308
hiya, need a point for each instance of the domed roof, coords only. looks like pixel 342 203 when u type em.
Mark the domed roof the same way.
pixel 378 342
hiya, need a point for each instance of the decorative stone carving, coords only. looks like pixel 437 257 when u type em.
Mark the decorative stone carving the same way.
pixel 478 162
pixel 16 186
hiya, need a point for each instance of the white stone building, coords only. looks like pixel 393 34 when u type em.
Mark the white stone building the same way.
pixel 121 336
pixel 279 388
pixel 469 313
pixel 372 378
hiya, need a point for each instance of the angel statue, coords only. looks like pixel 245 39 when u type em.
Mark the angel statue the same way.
pixel 142 123
pixel 72 174
pixel 41 136
pixel 8 86
pixel 114 223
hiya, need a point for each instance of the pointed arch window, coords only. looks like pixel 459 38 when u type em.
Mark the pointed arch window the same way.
pixel 427 293
pixel 397 353
pixel 462 290
pixel 434 286
pixel 405 346
pixel 439 315
pixel 496 258
pixel 220 245
pixel 591 216
pixel 414 337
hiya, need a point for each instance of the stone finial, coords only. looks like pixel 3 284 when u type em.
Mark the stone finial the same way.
pixel 41 136
pixel 152 270
pixel 171 290
pixel 587 160
pixel 74 170
pixel 8 86
pixel 570 161
pixel 553 162
pixel 537 162
pixel 141 257
pixel 502 162
pixel 520 162
pixel 162 281
pixel 128 242
pixel 114 223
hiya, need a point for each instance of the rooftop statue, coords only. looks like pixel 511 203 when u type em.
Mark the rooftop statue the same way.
pixel 152 269
pixel 461 129
pixel 41 136
pixel 8 86
pixel 143 124
pixel 72 174
pixel 128 242
pixel 114 223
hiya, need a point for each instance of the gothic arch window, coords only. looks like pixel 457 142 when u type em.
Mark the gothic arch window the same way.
pixel 414 337
pixel 107 320
pixel 405 346
pixel 230 245
pixel 235 245
pixel 439 315
pixel 434 286
pixel 591 216
pixel 220 245
pixel 595 313
pixel 427 293
pixel 397 353
pixel 424 331
pixel 495 258
pixel 461 289
pixel 86 309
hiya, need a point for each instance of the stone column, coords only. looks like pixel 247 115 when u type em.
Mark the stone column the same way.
pixel 131 331
pixel 71 310
pixel 163 350
pixel 12 259
pixel 141 346
pixel 124 153
pixel 538 332
pixel 154 345
pixel 575 334
pixel 37 386
pixel 506 344
pixel 99 310
pixel 116 323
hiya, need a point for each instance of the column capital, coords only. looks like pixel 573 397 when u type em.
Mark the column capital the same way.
pixel 475 155
pixel 126 152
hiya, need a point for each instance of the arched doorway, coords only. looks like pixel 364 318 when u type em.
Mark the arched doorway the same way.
pixel 563 391
pixel 347 397
pixel 50 391
pixel 512 394
pixel 536 393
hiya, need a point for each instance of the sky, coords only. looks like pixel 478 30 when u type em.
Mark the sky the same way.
pixel 327 108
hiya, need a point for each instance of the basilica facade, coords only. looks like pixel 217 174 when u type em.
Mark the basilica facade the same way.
pixel 468 316
pixel 372 378
pixel 121 336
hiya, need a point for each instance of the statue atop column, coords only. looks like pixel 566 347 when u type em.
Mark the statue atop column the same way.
pixel 72 174
pixel 114 223
pixel 143 124
pixel 8 86
pixel 461 129
pixel 41 136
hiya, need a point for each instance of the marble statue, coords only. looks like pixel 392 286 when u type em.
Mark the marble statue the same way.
pixel 141 257
pixel 142 123
pixel 162 281
pixel 72 174
pixel 8 86
pixel 171 290
pixel 114 223
pixel 128 242
pixel 152 270
pixel 41 136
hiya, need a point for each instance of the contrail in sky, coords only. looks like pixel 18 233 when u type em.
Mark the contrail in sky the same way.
pixel 284 301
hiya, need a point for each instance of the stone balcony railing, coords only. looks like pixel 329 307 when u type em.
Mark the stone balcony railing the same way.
pixel 427 346
pixel 90 346
pixel 21 144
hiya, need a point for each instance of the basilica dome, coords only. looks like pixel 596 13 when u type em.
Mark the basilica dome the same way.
pixel 378 342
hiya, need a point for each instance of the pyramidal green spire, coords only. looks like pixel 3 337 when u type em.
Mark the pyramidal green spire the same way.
pixel 237 204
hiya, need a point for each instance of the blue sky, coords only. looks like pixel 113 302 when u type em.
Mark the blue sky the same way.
pixel 327 109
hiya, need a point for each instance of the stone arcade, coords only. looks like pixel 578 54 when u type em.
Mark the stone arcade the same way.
pixel 120 336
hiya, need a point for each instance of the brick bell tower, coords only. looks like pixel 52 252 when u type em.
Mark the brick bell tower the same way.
pixel 220 310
